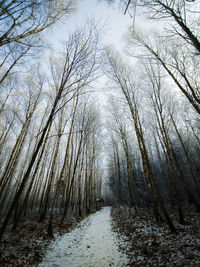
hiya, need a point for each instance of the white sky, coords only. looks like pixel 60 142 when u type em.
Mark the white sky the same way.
pixel 115 21
pixel 116 24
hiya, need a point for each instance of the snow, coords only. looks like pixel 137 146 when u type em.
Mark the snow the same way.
pixel 147 243
pixel 93 243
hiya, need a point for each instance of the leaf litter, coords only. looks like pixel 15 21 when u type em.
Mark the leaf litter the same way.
pixel 149 244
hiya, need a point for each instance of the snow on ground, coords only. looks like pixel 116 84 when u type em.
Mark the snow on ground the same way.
pixel 93 243
pixel 148 244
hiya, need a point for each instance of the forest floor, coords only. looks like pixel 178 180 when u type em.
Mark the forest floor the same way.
pixel 89 242
pixel 149 244
pixel 27 245
pixel 126 239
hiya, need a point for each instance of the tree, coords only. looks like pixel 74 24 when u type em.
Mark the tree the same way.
pixel 22 23
pixel 78 70
pixel 123 78
pixel 22 19
pixel 175 67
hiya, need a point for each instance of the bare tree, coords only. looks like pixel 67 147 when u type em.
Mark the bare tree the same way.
pixel 78 69
pixel 21 19
pixel 176 67
pixel 122 76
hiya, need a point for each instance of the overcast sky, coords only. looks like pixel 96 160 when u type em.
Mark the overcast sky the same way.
pixel 115 22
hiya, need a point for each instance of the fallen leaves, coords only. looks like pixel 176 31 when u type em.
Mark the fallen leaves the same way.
pixel 149 244
pixel 27 245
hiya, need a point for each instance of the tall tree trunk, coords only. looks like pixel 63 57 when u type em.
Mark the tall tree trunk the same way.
pixel 50 228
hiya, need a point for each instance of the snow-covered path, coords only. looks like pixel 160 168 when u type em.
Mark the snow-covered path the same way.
pixel 92 244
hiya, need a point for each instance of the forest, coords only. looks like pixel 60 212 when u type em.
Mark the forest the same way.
pixel 64 154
